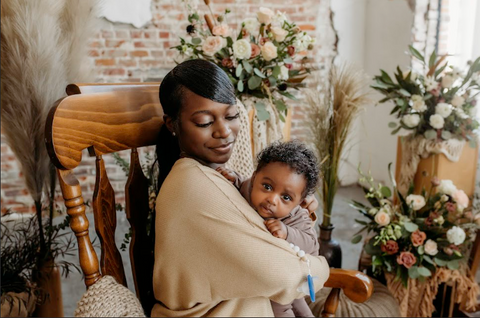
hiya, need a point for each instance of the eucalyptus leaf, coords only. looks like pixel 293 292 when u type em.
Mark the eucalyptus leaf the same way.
pixel 392 124
pixel 386 192
pixel 440 262
pixel 424 271
pixel 428 259
pixel 400 102
pixel 276 71
pixel 430 134
pixel 247 66
pixel 356 239
pixel 240 86
pixel 259 73
pixel 196 41
pixel 446 134
pixel 454 264
pixel 239 70
pixel 421 250
pixel 262 113
pixel 254 82
pixel 404 92
pixel 413 272
pixel 410 227
pixel 272 80
pixel 281 106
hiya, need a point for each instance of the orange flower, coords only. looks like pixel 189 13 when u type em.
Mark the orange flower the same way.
pixel 418 237
pixel 255 50
pixel 406 259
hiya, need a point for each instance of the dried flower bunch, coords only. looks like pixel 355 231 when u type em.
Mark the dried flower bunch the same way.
pixel 261 58
pixel 419 234
pixel 439 103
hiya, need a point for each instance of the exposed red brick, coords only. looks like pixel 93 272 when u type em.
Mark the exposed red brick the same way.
pixel 114 43
pixel 306 27
pixel 107 34
pixel 114 71
pixel 164 35
pixel 95 44
pixel 93 53
pixel 128 62
pixel 122 34
pixel 105 62
pixel 138 53
pixel 135 34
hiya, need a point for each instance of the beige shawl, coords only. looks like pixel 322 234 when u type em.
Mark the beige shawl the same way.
pixel 213 254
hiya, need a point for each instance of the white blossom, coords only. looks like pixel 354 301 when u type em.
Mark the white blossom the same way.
pixel 457 101
pixel 447 187
pixel 443 109
pixel 411 120
pixel 251 25
pixel 437 121
pixel 416 201
pixel 447 81
pixel 431 247
pixel 430 83
pixel 242 49
pixel 456 235
pixel 283 73
pixel 418 103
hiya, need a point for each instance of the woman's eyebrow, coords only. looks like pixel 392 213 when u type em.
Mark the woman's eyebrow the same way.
pixel 202 112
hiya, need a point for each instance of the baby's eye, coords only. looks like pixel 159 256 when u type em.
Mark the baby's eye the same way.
pixel 267 186
pixel 286 197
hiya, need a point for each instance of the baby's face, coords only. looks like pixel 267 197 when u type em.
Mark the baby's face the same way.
pixel 276 190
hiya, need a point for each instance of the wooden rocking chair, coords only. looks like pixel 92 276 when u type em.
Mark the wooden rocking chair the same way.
pixel 107 118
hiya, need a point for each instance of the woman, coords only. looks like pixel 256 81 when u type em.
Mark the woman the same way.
pixel 213 253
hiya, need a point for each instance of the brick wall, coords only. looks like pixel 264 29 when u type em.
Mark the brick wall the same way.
pixel 123 53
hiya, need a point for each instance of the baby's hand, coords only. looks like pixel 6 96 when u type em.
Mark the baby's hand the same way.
pixel 277 228
pixel 228 174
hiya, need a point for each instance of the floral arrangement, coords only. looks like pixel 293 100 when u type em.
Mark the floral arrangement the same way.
pixel 419 234
pixel 260 59
pixel 439 103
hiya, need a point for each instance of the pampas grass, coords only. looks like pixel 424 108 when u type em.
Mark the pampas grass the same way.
pixel 43 48
pixel 330 117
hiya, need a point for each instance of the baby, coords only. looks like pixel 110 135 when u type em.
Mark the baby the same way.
pixel 286 173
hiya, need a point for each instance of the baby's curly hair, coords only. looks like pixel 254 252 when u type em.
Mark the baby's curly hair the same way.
pixel 297 156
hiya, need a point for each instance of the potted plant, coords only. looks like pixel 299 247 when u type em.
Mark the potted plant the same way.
pixel 330 118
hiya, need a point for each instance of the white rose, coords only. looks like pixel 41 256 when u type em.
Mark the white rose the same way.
pixel 418 104
pixel 436 121
pixel 456 235
pixel 242 49
pixel 269 51
pixel 411 120
pixel 430 83
pixel 251 25
pixel 213 44
pixel 443 109
pixel 457 101
pixel 382 218
pixel 279 18
pixel 431 247
pixel 440 220
pixel 283 73
pixel 265 15
pixel 461 113
pixel 222 30
pixel 447 81
pixel 416 201
pixel 444 198
pixel 447 187
pixel 278 33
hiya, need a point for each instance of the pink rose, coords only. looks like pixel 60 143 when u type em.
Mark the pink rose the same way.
pixel 291 50
pixel 221 30
pixel 418 237
pixel 213 44
pixel 406 259
pixel 255 50
pixel 450 207
pixel 461 199
pixel 391 247
pixel 227 62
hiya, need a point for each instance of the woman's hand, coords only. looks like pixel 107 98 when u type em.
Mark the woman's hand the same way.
pixel 277 228
pixel 228 174
pixel 310 203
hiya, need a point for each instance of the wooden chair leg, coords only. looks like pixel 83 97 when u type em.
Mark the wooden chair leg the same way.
pixel 331 303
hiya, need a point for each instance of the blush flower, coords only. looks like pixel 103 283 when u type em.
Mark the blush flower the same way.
pixel 418 237
pixel 431 247
pixel 416 201
pixel 406 259
pixel 255 50
pixel 461 199
pixel 213 44
pixel 269 51
pixel 382 218
pixel 265 15
pixel 221 30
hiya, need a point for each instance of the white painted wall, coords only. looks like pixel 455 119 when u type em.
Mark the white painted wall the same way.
pixel 374 35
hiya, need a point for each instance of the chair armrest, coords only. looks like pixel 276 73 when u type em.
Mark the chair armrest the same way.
pixel 356 285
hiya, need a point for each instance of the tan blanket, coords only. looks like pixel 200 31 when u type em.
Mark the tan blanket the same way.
pixel 213 254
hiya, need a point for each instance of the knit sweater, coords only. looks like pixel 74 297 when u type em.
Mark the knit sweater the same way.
pixel 213 253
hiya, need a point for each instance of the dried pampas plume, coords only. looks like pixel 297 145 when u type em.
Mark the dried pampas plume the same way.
pixel 331 114
pixel 43 48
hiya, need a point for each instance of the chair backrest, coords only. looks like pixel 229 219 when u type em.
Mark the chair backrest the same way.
pixel 106 118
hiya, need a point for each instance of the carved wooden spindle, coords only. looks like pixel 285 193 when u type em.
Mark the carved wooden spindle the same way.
pixel 331 303
pixel 72 194
pixel 105 224
pixel 141 247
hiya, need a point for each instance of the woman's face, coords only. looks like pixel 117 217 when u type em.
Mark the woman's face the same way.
pixel 207 130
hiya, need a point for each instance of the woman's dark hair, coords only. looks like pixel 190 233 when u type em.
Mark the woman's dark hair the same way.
pixel 201 77
pixel 297 156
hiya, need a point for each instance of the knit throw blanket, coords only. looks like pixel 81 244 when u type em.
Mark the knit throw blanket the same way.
pixel 417 299
pixel 416 148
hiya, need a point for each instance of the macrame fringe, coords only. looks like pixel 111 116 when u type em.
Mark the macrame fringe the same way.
pixel 417 299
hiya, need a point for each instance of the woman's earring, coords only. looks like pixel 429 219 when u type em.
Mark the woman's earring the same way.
pixel 174 134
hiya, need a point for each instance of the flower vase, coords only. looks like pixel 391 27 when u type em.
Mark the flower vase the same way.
pixel 48 280
pixel 330 248
pixel 419 160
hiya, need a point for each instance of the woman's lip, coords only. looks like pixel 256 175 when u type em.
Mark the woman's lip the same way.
pixel 223 149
